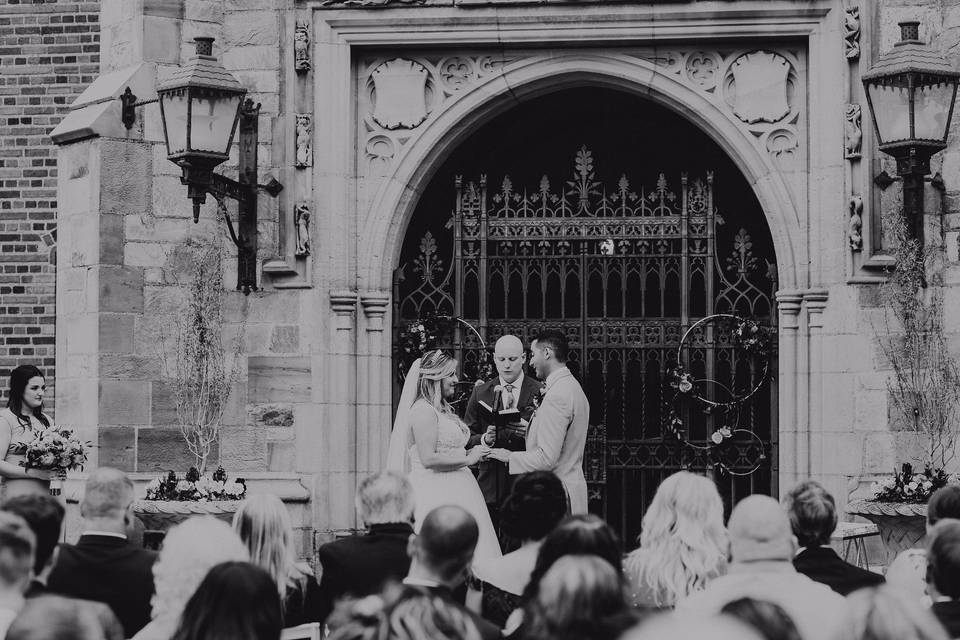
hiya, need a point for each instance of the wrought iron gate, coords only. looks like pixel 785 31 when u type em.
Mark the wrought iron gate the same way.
pixel 623 272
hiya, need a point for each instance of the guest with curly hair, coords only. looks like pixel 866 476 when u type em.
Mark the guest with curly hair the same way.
pixel 683 543
pixel 235 601
pixel 189 551
pixel 49 617
pixel 883 613
pixel 536 505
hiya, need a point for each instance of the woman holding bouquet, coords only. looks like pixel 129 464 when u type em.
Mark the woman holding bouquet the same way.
pixel 22 418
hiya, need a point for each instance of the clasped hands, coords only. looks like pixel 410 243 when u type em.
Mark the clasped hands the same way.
pixel 488 451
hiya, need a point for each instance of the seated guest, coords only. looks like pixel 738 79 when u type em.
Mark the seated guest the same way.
pixel 943 574
pixel 813 518
pixel 577 535
pixel 672 626
pixel 535 506
pixel 580 597
pixel 190 550
pixel 883 613
pixel 44 515
pixel 908 571
pixel 263 523
pixel 440 557
pixel 48 617
pixel 683 543
pixel 361 564
pixel 235 601
pixel 103 565
pixel 770 620
pixel 17 544
pixel 762 547
pixel 418 614
pixel 357 618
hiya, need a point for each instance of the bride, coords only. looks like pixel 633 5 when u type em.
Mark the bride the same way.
pixel 429 441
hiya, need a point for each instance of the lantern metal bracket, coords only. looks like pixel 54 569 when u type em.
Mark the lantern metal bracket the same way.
pixel 884 180
pixel 128 107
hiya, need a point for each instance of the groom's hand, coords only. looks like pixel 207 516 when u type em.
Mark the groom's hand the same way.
pixel 489 438
pixel 503 455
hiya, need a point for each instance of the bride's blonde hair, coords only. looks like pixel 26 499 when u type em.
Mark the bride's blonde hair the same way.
pixel 683 543
pixel 435 367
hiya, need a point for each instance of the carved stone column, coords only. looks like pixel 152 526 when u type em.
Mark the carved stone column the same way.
pixel 374 406
pixel 815 302
pixel 789 303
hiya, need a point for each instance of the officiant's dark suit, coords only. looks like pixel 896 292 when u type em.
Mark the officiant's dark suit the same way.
pixel 494 478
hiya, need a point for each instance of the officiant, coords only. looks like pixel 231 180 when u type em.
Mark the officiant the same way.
pixel 498 412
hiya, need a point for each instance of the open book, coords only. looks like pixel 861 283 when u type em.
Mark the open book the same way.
pixel 510 427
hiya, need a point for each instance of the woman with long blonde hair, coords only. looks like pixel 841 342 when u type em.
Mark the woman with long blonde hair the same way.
pixel 264 525
pixel 429 443
pixel 683 543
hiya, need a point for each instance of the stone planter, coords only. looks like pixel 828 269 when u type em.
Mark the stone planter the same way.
pixel 902 525
pixel 160 515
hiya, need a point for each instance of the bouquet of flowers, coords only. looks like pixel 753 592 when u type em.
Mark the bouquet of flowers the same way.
pixel 53 449
pixel 908 485
pixel 196 487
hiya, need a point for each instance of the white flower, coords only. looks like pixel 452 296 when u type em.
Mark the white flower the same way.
pixel 154 485
pixel 234 489
pixel 183 485
pixel 717 437
pixel 912 486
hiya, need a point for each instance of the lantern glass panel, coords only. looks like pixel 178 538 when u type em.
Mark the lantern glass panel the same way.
pixel 212 119
pixel 891 110
pixel 174 106
pixel 931 108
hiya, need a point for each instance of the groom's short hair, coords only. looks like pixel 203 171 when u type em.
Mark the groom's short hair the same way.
pixel 385 498
pixel 447 540
pixel 556 340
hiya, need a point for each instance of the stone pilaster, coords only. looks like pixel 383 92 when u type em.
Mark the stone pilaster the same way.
pixel 789 303
pixel 815 302
pixel 374 383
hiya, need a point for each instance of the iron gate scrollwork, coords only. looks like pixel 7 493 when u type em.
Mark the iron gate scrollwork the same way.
pixel 623 272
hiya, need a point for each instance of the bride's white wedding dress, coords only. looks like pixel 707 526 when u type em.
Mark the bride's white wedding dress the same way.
pixel 433 488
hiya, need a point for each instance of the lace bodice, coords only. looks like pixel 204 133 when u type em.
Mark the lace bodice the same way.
pixel 452 436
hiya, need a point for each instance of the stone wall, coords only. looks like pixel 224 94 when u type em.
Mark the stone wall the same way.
pixel 49 52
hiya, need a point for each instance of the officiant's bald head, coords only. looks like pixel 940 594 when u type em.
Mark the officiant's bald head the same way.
pixel 508 357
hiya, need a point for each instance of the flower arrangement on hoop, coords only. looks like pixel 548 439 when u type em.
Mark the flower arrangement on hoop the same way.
pixel 429 332
pixel 750 338
pixel 908 485
pixel 195 487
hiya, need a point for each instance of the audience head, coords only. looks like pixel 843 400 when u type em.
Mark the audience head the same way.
pixel 444 547
pixel 235 601
pixel 416 614
pixel 107 503
pixel 17 548
pixel 673 627
pixel 548 352
pixel 944 503
pixel 760 530
pixel 357 618
pixel 51 617
pixel 385 498
pixel 190 550
pixel 767 618
pixel 943 559
pixel 683 543
pixel 884 613
pixel 536 505
pixel 25 395
pixel 579 597
pixel 577 535
pixel 812 513
pixel 44 515
pixel 264 525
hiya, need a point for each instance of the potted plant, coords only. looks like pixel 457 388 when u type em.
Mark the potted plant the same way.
pixel 924 389
pixel 201 372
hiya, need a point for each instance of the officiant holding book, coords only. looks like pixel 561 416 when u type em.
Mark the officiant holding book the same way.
pixel 498 413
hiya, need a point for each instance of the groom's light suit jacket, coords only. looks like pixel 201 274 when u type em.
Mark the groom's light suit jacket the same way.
pixel 557 435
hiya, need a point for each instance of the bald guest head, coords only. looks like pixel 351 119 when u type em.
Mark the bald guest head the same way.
pixel 443 549
pixel 508 357
pixel 760 530
pixel 107 500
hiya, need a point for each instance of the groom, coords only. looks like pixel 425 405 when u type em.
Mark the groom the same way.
pixel 558 430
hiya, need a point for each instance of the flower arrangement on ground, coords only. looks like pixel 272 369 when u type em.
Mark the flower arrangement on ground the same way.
pixel 197 487
pixel 908 485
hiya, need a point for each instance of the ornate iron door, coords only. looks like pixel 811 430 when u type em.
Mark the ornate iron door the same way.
pixel 623 272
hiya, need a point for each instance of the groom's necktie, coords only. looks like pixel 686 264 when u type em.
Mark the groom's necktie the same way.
pixel 508 397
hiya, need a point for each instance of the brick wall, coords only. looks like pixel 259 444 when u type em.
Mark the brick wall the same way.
pixel 49 53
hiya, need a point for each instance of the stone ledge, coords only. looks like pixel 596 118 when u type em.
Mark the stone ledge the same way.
pixel 287 486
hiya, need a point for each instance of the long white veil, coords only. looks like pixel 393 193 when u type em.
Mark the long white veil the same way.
pixel 398 455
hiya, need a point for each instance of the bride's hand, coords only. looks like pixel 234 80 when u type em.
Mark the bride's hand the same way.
pixel 475 455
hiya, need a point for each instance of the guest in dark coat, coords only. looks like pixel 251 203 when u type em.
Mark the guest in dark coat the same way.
pixel 813 517
pixel 44 515
pixel 103 565
pixel 360 565
pixel 943 574
pixel 440 559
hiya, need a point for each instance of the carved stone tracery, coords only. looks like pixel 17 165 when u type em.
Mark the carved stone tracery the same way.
pixel 851 32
